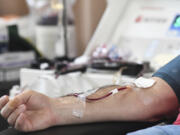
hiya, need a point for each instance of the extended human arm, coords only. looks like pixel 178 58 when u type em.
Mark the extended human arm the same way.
pixel 134 104
pixel 41 112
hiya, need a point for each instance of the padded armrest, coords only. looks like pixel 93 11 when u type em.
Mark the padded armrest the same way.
pixel 105 128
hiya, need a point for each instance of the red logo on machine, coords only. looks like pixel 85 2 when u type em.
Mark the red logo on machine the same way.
pixel 143 19
pixel 139 19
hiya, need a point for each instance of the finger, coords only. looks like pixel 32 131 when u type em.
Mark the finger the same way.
pixel 3 101
pixel 22 123
pixel 9 108
pixel 14 115
pixel 14 103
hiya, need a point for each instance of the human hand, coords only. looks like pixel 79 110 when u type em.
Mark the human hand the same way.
pixel 28 111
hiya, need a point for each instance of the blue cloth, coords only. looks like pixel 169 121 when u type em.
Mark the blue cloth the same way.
pixel 159 130
pixel 171 74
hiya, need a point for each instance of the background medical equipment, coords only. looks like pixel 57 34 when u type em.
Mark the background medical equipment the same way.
pixel 151 34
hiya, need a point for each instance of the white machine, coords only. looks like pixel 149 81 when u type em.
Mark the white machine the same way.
pixel 150 29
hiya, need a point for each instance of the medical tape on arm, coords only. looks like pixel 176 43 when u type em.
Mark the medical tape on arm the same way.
pixel 144 84
pixel 80 104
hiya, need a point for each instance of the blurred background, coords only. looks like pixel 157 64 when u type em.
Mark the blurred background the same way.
pixel 38 25
pixel 82 19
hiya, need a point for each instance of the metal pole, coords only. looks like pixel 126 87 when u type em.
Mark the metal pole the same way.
pixel 65 28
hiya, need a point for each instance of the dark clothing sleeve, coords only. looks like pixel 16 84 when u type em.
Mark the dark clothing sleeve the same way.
pixel 171 74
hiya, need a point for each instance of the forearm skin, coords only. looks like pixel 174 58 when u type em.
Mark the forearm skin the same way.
pixel 134 104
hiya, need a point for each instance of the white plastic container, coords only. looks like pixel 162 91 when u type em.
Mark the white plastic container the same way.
pixel 46 38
